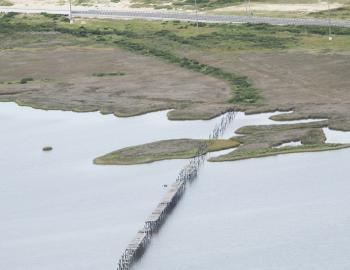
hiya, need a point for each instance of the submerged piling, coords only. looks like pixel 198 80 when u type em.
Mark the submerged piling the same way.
pixel 174 193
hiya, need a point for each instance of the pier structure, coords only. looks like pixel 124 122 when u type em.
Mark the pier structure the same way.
pixel 188 174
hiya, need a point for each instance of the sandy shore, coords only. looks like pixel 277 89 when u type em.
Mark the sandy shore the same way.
pixel 127 5
pixel 58 4
pixel 307 8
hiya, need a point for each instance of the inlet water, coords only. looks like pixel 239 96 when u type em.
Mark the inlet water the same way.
pixel 286 212
pixel 59 211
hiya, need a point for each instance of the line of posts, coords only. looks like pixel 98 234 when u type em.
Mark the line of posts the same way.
pixel 188 174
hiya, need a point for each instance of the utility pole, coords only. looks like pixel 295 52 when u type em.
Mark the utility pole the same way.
pixel 330 38
pixel 70 12
pixel 247 7
pixel 196 8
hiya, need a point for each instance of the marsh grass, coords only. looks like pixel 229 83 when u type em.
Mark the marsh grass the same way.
pixel 108 74
pixel 170 41
pixel 5 3
pixel 162 150
pixel 272 151
pixel 26 80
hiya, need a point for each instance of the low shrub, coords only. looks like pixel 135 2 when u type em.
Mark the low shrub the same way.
pixel 102 74
pixel 26 80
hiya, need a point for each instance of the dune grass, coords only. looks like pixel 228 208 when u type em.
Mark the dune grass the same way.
pixel 5 3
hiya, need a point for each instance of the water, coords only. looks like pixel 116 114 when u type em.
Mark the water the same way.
pixel 286 212
pixel 289 144
pixel 334 136
pixel 59 211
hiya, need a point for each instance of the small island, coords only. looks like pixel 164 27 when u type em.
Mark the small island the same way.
pixel 47 148
pixel 161 150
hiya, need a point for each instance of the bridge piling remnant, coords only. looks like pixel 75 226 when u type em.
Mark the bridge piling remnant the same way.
pixel 188 174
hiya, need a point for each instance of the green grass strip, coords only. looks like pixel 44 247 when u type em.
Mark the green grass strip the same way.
pixel 244 92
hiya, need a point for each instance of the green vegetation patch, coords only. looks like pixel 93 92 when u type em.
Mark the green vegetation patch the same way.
pixel 262 129
pixel 26 80
pixel 262 141
pixel 6 3
pixel 265 152
pixel 82 2
pixel 108 74
pixel 181 43
pixel 342 13
pixel 55 17
pixel 244 92
pixel 21 81
pixel 161 150
pixel 254 137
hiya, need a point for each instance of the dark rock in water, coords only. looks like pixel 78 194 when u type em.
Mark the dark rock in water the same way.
pixel 47 148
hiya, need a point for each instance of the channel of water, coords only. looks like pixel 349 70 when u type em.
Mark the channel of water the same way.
pixel 286 212
pixel 59 211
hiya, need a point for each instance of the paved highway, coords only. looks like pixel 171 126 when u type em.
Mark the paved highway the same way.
pixel 184 16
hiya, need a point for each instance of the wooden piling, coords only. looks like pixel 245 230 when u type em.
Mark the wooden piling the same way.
pixel 170 199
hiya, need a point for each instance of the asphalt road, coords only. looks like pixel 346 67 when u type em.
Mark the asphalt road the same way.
pixel 184 16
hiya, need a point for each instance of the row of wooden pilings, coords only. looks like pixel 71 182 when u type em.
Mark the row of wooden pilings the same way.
pixel 154 222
